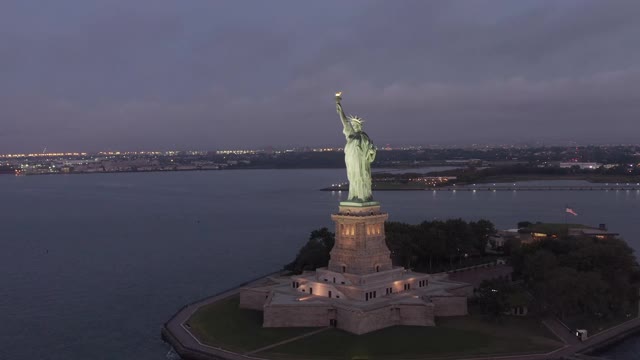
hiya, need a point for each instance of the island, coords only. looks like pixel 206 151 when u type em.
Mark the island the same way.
pixel 534 286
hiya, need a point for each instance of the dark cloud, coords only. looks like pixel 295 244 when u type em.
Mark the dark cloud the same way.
pixel 91 75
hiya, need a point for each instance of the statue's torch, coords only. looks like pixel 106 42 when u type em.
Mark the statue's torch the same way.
pixel 338 96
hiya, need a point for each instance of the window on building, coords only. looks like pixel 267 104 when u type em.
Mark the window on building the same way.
pixel 311 291
pixel 344 268
pixel 366 297
pixel 329 293
pixel 377 268
pixel 334 280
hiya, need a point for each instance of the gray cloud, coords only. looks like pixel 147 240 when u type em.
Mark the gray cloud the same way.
pixel 92 75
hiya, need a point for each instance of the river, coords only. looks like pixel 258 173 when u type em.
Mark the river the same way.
pixel 92 265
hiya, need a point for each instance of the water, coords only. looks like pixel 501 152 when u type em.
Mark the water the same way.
pixel 628 349
pixel 92 265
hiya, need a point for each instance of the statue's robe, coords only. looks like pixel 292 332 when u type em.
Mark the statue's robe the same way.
pixel 359 152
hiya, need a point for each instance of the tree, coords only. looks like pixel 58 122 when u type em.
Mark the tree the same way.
pixel 493 297
pixel 426 246
pixel 482 230
pixel 315 253
pixel 580 275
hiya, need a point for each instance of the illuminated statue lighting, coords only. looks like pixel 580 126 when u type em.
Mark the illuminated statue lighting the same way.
pixel 359 153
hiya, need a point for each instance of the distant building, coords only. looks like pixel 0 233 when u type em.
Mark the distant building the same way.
pixel 539 232
pixel 581 165
pixel 497 241
pixel 599 233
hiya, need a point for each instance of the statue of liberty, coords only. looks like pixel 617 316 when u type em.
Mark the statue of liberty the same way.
pixel 359 153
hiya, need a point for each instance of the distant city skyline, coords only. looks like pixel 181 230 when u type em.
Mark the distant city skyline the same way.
pixel 89 76
pixel 239 149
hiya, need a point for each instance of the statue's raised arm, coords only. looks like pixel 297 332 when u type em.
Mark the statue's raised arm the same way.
pixel 347 128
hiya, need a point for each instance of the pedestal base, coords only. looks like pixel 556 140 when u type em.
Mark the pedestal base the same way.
pixel 316 299
pixel 359 204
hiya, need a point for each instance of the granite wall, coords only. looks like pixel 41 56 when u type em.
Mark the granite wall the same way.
pixel 253 298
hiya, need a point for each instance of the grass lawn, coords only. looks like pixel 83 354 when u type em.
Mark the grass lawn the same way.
pixel 223 324
pixel 455 336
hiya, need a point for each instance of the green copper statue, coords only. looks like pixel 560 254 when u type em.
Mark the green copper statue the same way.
pixel 359 153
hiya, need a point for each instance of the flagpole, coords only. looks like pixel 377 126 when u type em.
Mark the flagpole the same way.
pixel 566 221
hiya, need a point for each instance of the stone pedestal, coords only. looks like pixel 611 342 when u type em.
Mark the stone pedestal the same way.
pixel 360 246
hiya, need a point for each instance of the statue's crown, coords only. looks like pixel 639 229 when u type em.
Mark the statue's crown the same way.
pixel 356 119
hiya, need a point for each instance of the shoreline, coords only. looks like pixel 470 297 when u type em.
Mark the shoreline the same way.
pixel 613 342
pixel 515 187
pixel 378 169
pixel 381 186
pixel 175 333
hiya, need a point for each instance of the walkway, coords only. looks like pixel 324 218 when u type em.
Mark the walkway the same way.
pixel 186 345
pixel 288 341
pixel 574 346
pixel 600 338
pixel 561 331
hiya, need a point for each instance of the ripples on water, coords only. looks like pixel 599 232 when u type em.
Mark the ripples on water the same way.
pixel 92 265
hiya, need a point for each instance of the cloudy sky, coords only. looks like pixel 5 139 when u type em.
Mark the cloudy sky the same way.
pixel 86 75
